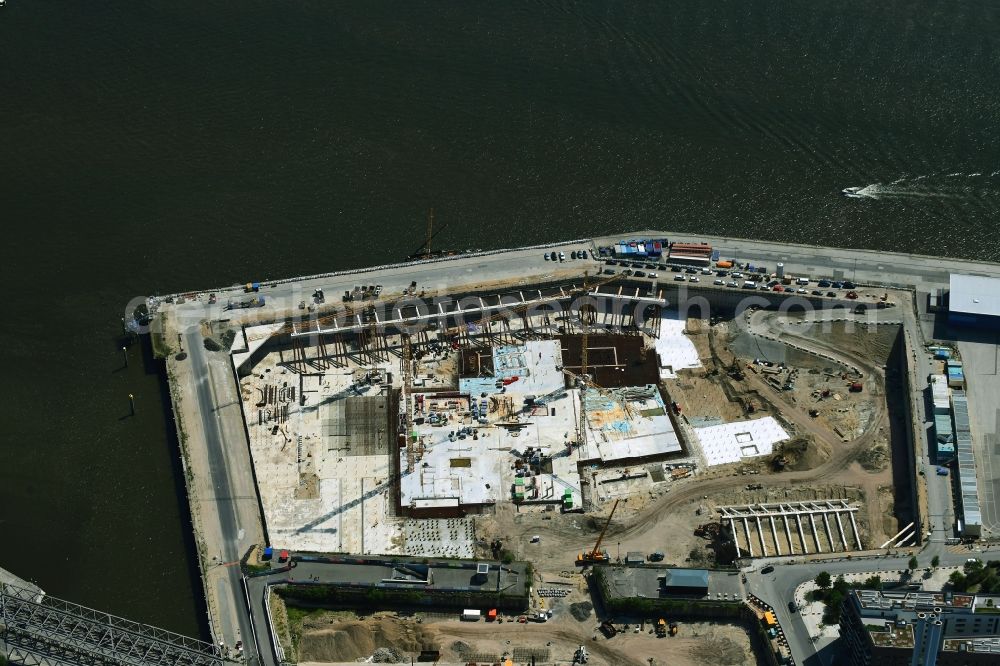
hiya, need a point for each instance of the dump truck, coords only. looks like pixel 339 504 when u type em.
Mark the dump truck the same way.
pixel 661 628
pixel 608 629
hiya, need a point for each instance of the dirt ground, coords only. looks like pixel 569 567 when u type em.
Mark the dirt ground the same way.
pixel 842 453
pixel 820 462
pixel 332 637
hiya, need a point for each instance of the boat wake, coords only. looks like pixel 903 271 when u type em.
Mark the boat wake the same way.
pixel 974 186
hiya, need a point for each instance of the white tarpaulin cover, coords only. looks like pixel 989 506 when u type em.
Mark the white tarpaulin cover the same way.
pixel 675 349
pixel 731 442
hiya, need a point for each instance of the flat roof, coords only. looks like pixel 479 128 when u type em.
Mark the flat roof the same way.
pixel 975 294
pixel 686 578
pixel 732 442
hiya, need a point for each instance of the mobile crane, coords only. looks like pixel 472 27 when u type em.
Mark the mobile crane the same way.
pixel 596 555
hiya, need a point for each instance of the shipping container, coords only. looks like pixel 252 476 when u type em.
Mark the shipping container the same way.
pixel 268 553
pixel 471 615
pixel 724 264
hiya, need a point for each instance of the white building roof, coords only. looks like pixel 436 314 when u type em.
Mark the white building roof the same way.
pixel 675 349
pixel 975 294
pixel 731 442
pixel 940 392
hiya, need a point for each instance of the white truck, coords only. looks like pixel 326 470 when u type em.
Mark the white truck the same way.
pixel 471 615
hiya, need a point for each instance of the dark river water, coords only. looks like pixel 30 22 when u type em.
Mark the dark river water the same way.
pixel 152 147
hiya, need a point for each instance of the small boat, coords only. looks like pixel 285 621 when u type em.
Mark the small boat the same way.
pixel 854 192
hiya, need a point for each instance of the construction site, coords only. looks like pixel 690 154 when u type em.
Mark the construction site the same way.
pixel 569 417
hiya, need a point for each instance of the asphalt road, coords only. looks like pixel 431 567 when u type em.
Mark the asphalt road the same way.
pixel 778 587
pixel 234 619
pixel 526 265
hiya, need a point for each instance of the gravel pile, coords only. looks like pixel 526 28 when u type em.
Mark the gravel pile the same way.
pixel 387 655
pixel 581 610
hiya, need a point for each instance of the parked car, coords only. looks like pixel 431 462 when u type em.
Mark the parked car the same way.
pixel 817 292
pixel 792 608
pixel 733 283
pixel 706 271
pixel 768 569
pixel 823 284
pixel 837 285
pixel 547 256
pixel 651 267
pixel 656 557
pixel 719 281
pixel 582 254
pixel 572 255
pixel 652 275
pixel 848 284
pixel 942 471
pixel 693 278
pixel 639 274
pixel 609 271
pixel 678 278
pixel 627 272
pixel 675 269
pixel 562 256
pixel 691 270
pixel 831 294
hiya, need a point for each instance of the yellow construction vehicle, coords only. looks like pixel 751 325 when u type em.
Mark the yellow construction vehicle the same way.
pixel 661 628
pixel 596 555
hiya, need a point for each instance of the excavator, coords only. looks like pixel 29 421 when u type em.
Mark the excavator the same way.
pixel 596 555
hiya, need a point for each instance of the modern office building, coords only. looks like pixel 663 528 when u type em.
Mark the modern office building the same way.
pixel 920 629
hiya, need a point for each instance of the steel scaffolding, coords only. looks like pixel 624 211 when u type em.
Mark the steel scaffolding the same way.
pixel 40 630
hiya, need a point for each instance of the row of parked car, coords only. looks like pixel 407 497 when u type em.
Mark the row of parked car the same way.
pixel 561 256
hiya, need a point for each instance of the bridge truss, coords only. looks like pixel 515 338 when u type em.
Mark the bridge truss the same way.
pixel 41 630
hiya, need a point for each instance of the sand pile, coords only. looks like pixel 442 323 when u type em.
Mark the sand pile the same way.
pixel 349 640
